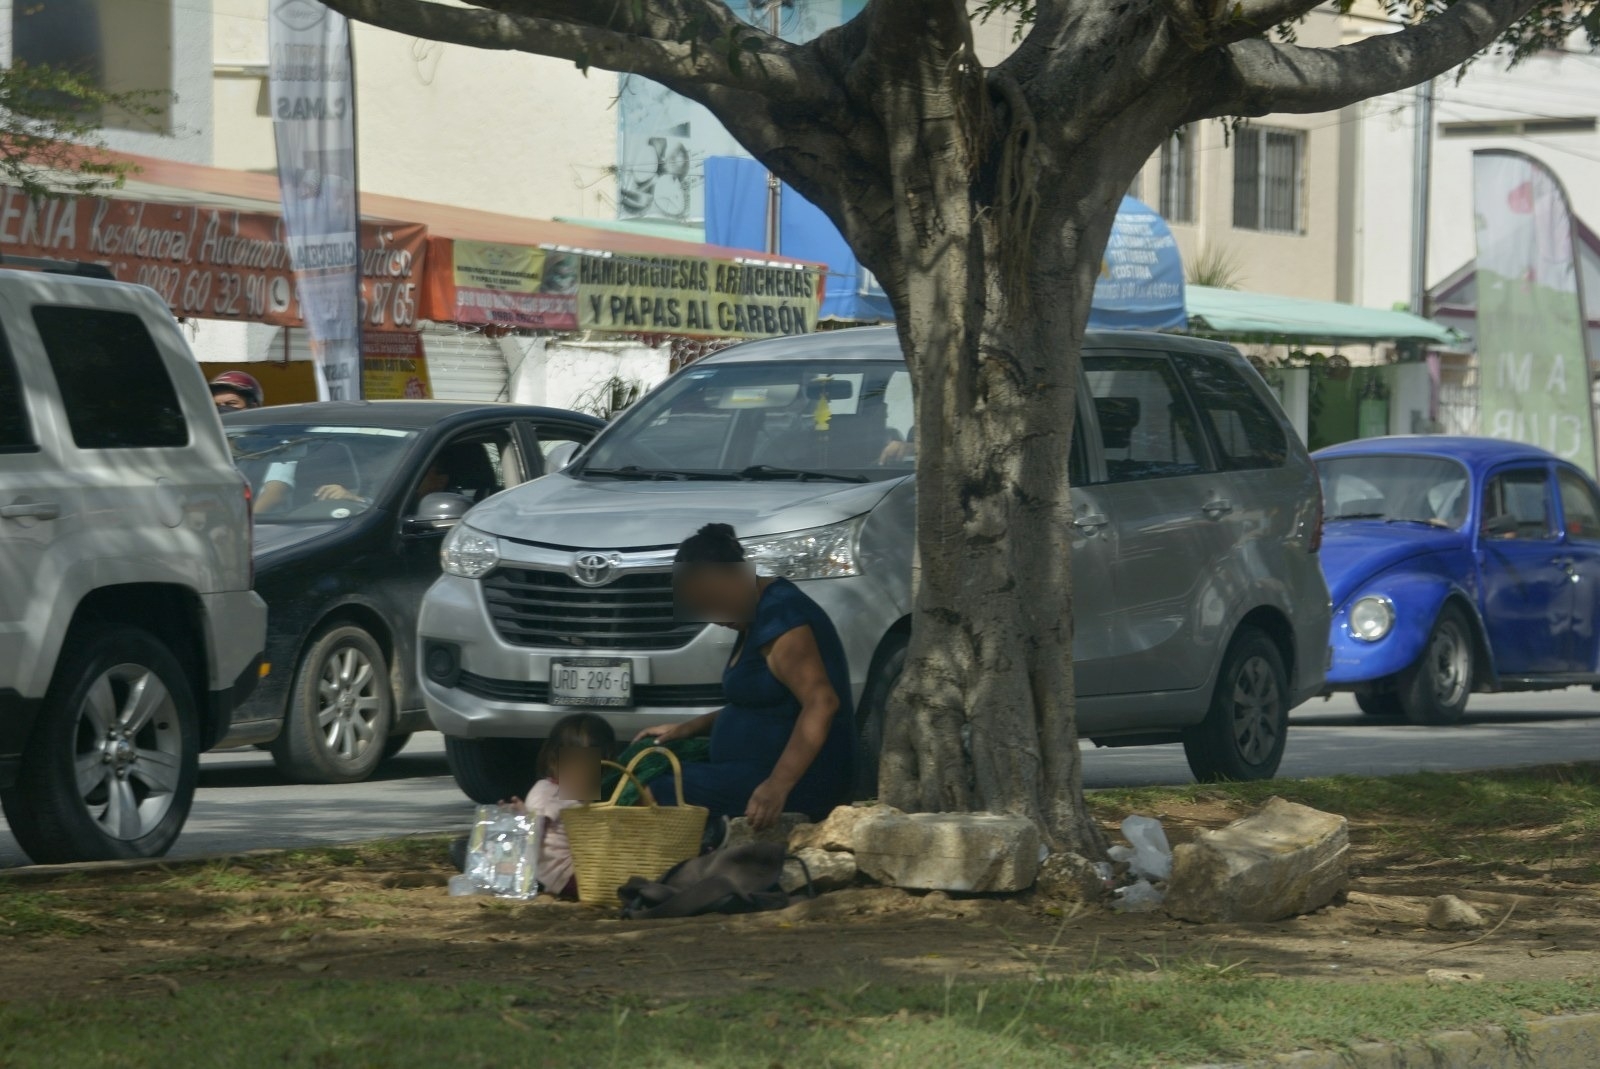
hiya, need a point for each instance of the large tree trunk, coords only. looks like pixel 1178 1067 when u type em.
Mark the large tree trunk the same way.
pixel 992 297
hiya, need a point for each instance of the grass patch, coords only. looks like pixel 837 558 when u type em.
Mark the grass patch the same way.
pixel 28 914
pixel 1483 817
pixel 1166 1019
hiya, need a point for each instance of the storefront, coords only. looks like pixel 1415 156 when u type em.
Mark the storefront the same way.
pixel 445 312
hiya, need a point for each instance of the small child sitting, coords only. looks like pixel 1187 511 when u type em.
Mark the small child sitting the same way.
pixel 577 732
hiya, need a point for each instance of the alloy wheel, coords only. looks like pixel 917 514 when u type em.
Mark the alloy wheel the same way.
pixel 129 751
pixel 1256 707
pixel 349 703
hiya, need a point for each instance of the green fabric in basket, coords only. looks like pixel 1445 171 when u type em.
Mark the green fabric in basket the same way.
pixel 687 750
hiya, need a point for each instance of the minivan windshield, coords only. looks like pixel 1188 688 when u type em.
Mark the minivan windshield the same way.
pixel 305 472
pixel 1399 489
pixel 840 421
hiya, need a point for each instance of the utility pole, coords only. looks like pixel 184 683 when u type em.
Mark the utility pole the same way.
pixel 1421 185
pixel 774 186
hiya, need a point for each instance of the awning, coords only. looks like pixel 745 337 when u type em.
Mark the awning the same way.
pixel 211 241
pixel 1263 317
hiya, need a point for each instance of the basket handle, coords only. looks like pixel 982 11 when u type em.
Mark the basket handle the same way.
pixel 672 759
pixel 627 774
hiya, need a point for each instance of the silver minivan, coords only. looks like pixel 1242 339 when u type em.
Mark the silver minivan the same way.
pixel 1202 616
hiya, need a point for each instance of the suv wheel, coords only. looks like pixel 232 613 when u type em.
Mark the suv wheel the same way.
pixel 1435 689
pixel 891 662
pixel 492 770
pixel 339 712
pixel 111 768
pixel 1243 734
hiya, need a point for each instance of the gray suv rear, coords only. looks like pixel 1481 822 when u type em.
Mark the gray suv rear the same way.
pixel 1202 612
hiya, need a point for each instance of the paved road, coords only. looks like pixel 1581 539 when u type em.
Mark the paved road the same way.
pixel 244 804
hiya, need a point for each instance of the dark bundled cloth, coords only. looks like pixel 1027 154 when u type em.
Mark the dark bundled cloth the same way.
pixel 687 750
pixel 740 879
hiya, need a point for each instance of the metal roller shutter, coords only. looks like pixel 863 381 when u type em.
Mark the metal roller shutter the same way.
pixel 465 366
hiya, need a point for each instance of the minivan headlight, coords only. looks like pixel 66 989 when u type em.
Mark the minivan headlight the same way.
pixel 468 553
pixel 827 552
pixel 1371 618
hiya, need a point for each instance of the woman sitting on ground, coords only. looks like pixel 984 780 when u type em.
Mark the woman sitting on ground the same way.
pixel 784 741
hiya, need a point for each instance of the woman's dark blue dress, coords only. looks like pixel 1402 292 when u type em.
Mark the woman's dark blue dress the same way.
pixel 754 728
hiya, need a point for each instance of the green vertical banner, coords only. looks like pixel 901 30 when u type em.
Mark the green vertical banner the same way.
pixel 1533 361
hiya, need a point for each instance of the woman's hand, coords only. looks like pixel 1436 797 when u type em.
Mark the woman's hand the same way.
pixel 766 804
pixel 662 733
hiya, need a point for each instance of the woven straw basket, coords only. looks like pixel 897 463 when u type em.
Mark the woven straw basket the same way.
pixel 612 843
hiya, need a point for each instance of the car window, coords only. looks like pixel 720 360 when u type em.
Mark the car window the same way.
pixel 1580 512
pixel 1147 427
pixel 1242 426
pixel 112 379
pixel 1406 489
pixel 307 472
pixel 1516 505
pixel 15 434
pixel 1077 459
pixel 475 465
pixel 847 418
pixel 557 444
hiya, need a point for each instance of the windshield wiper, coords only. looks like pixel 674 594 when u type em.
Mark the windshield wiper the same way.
pixel 633 471
pixel 1358 516
pixel 767 471
pixel 1435 522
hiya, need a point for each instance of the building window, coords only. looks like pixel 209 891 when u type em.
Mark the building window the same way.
pixel 1177 177
pixel 1266 179
pixel 113 45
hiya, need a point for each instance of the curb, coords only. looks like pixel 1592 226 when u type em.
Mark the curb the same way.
pixel 1571 1042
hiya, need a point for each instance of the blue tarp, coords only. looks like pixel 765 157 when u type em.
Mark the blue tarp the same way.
pixel 1141 277
pixel 736 217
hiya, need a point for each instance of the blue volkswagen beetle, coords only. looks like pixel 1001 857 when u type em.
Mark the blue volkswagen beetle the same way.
pixel 1457 564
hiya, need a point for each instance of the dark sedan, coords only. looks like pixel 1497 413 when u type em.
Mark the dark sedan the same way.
pixel 352 500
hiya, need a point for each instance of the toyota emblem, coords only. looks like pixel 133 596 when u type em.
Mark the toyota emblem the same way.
pixel 593 569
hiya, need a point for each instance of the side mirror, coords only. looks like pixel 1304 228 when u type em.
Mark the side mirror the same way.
pixel 1503 526
pixel 437 513
pixel 560 457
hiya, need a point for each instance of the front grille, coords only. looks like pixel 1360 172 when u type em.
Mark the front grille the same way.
pixel 531 607
pixel 681 695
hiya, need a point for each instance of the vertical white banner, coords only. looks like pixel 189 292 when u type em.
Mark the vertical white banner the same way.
pixel 1533 360
pixel 313 112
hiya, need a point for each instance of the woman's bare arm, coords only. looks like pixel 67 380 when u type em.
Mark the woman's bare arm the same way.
pixel 795 661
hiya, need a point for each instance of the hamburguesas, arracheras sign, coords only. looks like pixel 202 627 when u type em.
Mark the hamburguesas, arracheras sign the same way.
pixel 519 286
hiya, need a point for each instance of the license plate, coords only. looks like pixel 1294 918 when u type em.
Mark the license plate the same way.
pixel 595 681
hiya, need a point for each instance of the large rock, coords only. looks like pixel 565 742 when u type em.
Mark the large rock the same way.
pixel 830 870
pixel 838 831
pixel 1070 878
pixel 1286 859
pixel 948 851
pixel 740 832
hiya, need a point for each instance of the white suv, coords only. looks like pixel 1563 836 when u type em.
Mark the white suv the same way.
pixel 128 629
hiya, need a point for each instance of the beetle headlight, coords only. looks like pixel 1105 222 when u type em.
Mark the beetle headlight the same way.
pixel 468 553
pixel 816 553
pixel 1371 618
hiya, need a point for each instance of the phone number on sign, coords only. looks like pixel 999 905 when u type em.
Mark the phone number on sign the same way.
pixel 249 295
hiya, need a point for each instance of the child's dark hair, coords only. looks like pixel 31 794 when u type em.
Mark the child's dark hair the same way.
pixel 715 543
pixel 578 730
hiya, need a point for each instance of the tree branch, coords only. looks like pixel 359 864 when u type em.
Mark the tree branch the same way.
pixel 1270 77
pixel 741 57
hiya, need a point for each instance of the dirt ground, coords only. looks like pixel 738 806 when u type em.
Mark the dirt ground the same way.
pixel 364 914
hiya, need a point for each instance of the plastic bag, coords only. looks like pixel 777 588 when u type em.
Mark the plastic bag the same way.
pixel 503 852
pixel 1152 856
pixel 1140 897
